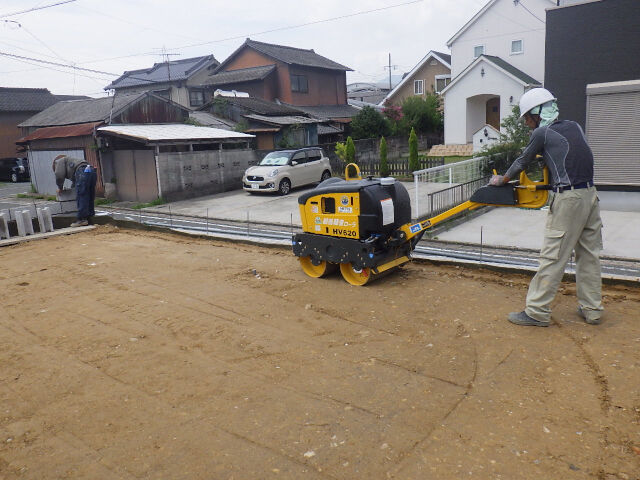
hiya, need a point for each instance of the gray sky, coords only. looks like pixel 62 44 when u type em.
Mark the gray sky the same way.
pixel 117 35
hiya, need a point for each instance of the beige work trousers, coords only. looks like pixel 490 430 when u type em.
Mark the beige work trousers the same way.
pixel 573 223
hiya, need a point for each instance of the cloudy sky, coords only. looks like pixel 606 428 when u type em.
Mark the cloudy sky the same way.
pixel 117 35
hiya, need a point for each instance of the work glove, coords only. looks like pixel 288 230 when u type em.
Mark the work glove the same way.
pixel 497 180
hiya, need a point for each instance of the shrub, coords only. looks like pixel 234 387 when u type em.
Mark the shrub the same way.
pixel 384 165
pixel 351 151
pixel 414 163
pixel 513 138
pixel 369 123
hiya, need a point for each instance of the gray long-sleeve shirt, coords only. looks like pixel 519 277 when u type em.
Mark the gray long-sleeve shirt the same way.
pixel 66 167
pixel 565 151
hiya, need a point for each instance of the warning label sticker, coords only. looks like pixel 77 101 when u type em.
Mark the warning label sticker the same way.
pixel 387 211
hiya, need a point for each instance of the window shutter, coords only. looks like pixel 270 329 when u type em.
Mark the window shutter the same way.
pixel 613 133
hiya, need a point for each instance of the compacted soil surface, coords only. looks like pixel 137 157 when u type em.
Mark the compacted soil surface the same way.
pixel 129 354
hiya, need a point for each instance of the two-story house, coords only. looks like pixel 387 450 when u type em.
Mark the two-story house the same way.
pixel 178 80
pixel 289 75
pixel 495 57
pixel 430 75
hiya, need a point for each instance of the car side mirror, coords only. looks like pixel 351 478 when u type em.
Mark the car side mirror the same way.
pixel 294 162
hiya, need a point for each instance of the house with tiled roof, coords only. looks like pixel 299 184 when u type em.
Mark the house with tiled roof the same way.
pixel 177 80
pixel 290 75
pixel 495 57
pixel 17 105
pixel 430 75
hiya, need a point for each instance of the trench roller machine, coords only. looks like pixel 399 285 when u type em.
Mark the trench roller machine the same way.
pixel 363 225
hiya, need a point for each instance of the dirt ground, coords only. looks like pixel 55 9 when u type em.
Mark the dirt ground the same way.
pixel 129 354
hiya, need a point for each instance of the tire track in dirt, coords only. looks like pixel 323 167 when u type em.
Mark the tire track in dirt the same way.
pixel 158 399
pixel 601 383
pixel 405 456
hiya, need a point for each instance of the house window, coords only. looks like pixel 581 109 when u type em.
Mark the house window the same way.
pixel 418 87
pixel 442 81
pixel 516 47
pixel 433 62
pixel 196 98
pixel 478 50
pixel 299 83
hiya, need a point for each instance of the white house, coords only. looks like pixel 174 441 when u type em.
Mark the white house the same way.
pixel 495 57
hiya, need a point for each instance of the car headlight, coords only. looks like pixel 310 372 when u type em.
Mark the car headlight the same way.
pixel 273 173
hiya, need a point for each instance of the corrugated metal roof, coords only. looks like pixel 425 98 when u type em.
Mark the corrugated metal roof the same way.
pixel 172 131
pixel 240 75
pixel 162 72
pixel 281 120
pixel 61 132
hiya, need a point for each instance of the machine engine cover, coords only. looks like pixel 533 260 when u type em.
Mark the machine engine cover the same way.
pixel 503 195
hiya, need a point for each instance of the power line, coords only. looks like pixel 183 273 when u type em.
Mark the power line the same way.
pixel 262 32
pixel 519 2
pixel 36 8
pixel 301 24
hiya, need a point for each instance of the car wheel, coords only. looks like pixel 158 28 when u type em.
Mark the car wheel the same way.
pixel 326 174
pixel 14 177
pixel 285 186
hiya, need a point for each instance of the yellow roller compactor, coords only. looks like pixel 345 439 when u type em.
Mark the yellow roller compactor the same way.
pixel 364 227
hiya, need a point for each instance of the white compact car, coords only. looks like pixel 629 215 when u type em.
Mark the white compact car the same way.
pixel 285 169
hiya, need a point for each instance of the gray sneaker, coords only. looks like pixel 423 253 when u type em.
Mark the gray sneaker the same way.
pixel 521 318
pixel 80 223
pixel 590 321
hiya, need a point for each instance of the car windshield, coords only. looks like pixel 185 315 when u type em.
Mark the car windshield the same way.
pixel 276 158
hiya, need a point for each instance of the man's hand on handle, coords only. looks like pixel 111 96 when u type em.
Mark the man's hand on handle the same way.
pixel 498 180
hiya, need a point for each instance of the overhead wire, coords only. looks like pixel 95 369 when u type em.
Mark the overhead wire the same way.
pixel 532 14
pixel 36 8
pixel 246 35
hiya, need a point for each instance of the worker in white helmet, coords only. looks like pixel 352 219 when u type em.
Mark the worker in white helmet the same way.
pixel 573 222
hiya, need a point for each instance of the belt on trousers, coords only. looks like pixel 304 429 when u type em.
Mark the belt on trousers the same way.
pixel 577 186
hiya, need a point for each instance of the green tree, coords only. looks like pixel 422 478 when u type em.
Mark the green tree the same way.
pixel 384 165
pixel 514 136
pixel 414 164
pixel 341 151
pixel 422 114
pixel 369 123
pixel 351 151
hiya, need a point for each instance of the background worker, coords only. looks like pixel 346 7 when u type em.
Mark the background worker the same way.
pixel 573 222
pixel 83 177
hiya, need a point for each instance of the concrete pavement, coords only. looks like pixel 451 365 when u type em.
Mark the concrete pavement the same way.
pixel 521 228
pixel 500 227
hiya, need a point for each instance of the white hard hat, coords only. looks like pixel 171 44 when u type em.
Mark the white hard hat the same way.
pixel 534 98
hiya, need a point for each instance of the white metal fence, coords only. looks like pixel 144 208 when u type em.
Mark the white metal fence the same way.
pixel 436 185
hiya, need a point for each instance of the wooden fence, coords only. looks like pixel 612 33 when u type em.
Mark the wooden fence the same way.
pixel 398 167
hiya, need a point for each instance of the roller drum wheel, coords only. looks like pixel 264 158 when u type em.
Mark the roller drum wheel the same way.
pixel 356 276
pixel 323 268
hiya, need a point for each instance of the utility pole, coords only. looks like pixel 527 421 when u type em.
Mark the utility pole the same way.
pixel 165 57
pixel 390 67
